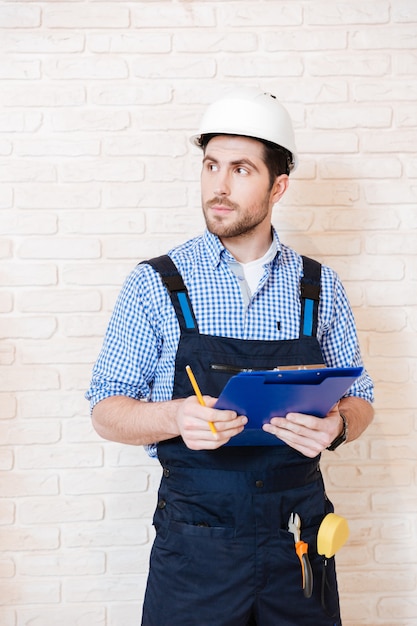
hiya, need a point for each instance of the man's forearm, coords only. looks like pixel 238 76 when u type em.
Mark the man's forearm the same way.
pixel 359 414
pixel 130 421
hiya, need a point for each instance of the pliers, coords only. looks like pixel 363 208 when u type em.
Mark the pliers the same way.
pixel 301 548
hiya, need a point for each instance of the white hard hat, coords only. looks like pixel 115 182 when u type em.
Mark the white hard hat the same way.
pixel 249 113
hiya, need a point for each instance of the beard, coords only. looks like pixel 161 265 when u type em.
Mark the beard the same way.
pixel 239 222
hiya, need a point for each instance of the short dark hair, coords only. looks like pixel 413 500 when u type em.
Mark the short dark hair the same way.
pixel 277 159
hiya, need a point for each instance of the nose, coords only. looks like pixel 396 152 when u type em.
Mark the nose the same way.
pixel 222 183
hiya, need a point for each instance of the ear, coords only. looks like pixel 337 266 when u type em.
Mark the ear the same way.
pixel 279 187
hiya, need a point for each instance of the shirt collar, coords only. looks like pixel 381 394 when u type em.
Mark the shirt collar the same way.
pixel 217 252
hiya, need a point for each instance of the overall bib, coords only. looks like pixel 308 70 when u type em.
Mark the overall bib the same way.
pixel 223 555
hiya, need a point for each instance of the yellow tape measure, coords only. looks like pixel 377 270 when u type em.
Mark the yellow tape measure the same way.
pixel 332 535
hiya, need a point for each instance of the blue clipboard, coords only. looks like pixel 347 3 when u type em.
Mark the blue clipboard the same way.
pixel 261 395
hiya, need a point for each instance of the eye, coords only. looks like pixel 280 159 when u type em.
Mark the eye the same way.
pixel 242 171
pixel 212 167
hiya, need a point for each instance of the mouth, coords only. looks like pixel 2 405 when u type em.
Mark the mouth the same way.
pixel 220 207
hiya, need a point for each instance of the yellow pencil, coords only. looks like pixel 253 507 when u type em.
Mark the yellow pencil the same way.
pixel 198 394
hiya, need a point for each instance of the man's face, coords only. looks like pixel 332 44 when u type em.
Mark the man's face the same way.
pixel 235 188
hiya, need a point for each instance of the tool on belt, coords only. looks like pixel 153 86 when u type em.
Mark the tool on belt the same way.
pixel 301 548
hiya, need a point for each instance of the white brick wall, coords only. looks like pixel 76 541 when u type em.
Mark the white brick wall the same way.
pixel 97 100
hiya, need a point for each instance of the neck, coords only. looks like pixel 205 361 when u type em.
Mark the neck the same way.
pixel 246 248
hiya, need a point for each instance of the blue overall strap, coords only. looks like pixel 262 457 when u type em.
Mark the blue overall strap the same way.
pixel 177 290
pixel 310 296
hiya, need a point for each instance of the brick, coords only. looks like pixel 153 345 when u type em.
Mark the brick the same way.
pixel 405 116
pixel 47 456
pixel 90 120
pixel 209 42
pixel 405 194
pixel 120 588
pixel 28 378
pixel 98 15
pixel 86 68
pixel 389 91
pixel 158 15
pixel 20 121
pixel 6 459
pixel 364 116
pixel 128 562
pixel 32 327
pixel 20 15
pixel 5 248
pixel 360 220
pixel 19 274
pixel 398 450
pixel 26 171
pixel 60 510
pixel 156 42
pixel 384 38
pixel 124 507
pixel 42 96
pixel 7 568
pixel 59 248
pixel 109 170
pixel 6 302
pixel 347 13
pixel 39 42
pixel 265 66
pixel 329 142
pixel 18 432
pixel 106 535
pixel 395 243
pixel 367 476
pixel 7 513
pixel 339 193
pixel 343 64
pixel 19 484
pixel 6 197
pixel 51 196
pixel 58 147
pixel 32 592
pixel 253 15
pixel 56 301
pixel 98 274
pixel 28 223
pixel 397 607
pixel 144 94
pixel 179 67
pixel 7 405
pixel 53 404
pixel 303 39
pixel 80 482
pixel 17 69
pixel 149 144
pixel 7 354
pixel 362 167
pixel 382 501
pixel 404 11
pixel 144 196
pixel 69 563
pixel 58 351
pixel 82 615
pixel 381 580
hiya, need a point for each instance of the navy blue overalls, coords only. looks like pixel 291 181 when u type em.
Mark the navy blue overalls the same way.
pixel 223 555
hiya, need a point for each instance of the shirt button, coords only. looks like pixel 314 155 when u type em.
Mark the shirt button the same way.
pixel 166 472
pixel 259 484
pixel 162 504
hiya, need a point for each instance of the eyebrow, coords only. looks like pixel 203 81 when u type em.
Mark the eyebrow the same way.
pixel 242 161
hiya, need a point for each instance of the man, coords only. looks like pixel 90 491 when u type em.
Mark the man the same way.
pixel 223 555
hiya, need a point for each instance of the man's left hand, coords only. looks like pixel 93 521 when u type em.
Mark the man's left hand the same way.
pixel 308 434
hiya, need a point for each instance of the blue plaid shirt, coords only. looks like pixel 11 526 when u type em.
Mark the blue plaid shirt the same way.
pixel 138 354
